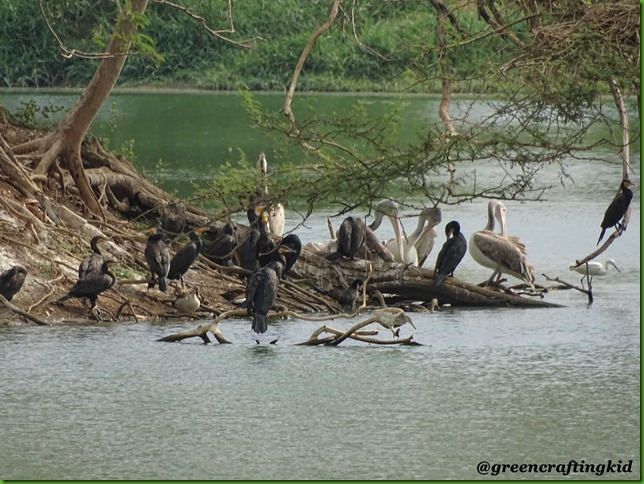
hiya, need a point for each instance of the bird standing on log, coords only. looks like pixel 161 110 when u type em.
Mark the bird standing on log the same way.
pixel 11 281
pixel 173 219
pixel 290 247
pixel 351 236
pixel 186 256
pixel 617 209
pixel 349 296
pixel 409 251
pixel 92 285
pixel 451 254
pixel 157 255
pixel 498 253
pixel 93 262
pixel 222 244
pixel 247 250
pixel 261 291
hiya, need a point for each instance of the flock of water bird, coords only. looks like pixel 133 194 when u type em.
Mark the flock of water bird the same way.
pixel 268 254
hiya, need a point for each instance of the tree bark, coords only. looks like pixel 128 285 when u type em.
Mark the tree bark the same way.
pixel 65 142
pixel 407 282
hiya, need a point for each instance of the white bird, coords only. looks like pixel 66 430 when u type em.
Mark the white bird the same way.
pixel 276 216
pixel 387 208
pixel 504 229
pixel 592 268
pixel 496 252
pixel 409 252
pixel 425 242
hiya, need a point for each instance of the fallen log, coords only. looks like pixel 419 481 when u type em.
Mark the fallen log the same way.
pixel 407 282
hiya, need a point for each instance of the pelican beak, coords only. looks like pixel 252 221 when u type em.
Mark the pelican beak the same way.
pixel 395 221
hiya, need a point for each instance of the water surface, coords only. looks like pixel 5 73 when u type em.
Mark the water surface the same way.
pixel 499 385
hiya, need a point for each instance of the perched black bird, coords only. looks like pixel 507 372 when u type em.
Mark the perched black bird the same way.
pixel 349 296
pixel 264 243
pixel 290 247
pixel 157 255
pixel 451 253
pixel 261 291
pixel 186 256
pixel 617 208
pixel 11 281
pixel 92 285
pixel 351 236
pixel 247 250
pixel 294 243
pixel 221 246
pixel 173 219
pixel 93 262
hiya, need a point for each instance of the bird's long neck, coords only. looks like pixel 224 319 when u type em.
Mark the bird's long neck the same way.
pixel 418 230
pixel 95 248
pixel 377 221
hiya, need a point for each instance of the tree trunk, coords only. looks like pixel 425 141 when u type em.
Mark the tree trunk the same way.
pixel 65 142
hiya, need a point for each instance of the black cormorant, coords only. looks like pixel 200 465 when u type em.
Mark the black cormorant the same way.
pixel 351 236
pixel 290 247
pixel 265 243
pixel 92 285
pixel 173 219
pixel 11 281
pixel 451 254
pixel 261 291
pixel 93 262
pixel 222 243
pixel 157 255
pixel 617 208
pixel 294 243
pixel 349 296
pixel 185 257
pixel 247 250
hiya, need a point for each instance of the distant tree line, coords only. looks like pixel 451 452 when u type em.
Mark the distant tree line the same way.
pixel 375 46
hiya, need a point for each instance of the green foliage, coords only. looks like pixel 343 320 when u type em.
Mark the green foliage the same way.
pixel 31 115
pixel 396 38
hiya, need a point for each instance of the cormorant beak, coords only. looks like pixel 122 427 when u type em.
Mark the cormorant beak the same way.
pixel 200 230
pixel 284 249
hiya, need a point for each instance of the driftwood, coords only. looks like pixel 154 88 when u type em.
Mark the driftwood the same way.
pixel 408 282
pixel 389 318
pixel 22 313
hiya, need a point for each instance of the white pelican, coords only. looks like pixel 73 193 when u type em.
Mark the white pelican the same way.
pixel 387 208
pixel 494 251
pixel 276 217
pixel 409 253
pixel 594 268
pixel 425 242
pixel 503 230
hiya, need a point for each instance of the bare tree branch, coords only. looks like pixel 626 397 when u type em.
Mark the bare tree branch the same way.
pixel 246 43
pixel 300 63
